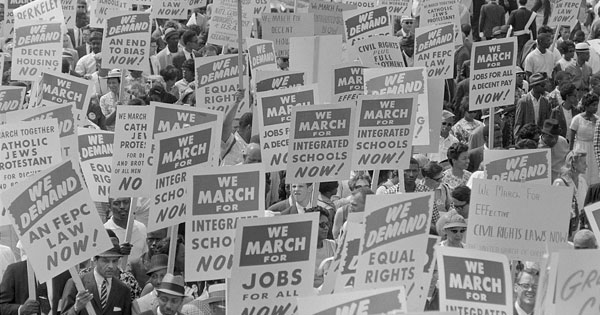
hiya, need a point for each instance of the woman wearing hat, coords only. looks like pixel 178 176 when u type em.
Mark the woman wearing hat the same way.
pixel 582 135
pixel 452 228
pixel 572 176
pixel 110 100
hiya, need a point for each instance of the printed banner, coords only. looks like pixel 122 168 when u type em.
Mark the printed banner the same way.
pixel 492 80
pixel 170 9
pixel 223 29
pixel 262 55
pixel 169 117
pixel 55 220
pixel 26 149
pixel 393 246
pixel 95 158
pixel 564 12
pixel 378 51
pixel 11 98
pixel 380 301
pixel 38 10
pixel 176 154
pixel 505 218
pixel 346 278
pixel 275 80
pixel 218 198
pixel 531 166
pixel 577 288
pixel 328 16
pixel 437 12
pixel 274 110
pixel 474 282
pixel 403 81
pixel 383 132
pixel 363 23
pixel 132 160
pixel 38 49
pixel 348 82
pixel 361 4
pixel 592 213
pixel 273 264
pixel 8 27
pixel 434 50
pixel 398 7
pixel 126 41
pixel 280 27
pixel 320 143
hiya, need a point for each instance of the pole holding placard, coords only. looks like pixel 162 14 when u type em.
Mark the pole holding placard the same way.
pixel 129 229
pixel 492 128
pixel 172 249
pixel 80 288
pixel 240 46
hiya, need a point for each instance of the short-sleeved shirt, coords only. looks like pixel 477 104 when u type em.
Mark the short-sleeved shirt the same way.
pixel 537 62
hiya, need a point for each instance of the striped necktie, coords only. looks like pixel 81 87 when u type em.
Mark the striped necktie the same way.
pixel 104 293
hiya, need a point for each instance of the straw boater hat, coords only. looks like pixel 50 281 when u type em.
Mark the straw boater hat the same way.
pixel 172 285
pixel 169 32
pixel 216 293
pixel 536 78
pixel 114 73
pixel 455 220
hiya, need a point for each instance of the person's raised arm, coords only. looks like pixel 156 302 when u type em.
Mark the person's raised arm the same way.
pixel 229 116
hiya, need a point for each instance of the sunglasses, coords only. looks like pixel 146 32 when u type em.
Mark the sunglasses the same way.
pixel 446 124
pixel 454 231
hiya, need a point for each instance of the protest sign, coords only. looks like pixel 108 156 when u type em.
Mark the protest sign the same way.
pixel 592 213
pixel 38 48
pixel 492 77
pixel 424 286
pixel 274 80
pixel 383 131
pixel 126 41
pixel 505 218
pixel 55 220
pixel 194 4
pixel 63 88
pixel 224 22
pixel 577 287
pixel 434 50
pixel 132 159
pixel 39 10
pixel 564 12
pixel 66 124
pixel 262 55
pixel 217 82
pixel 378 51
pixel 320 143
pixel 328 16
pixel 176 153
pixel 274 111
pixel 436 12
pixel 360 4
pixel 69 8
pixel 273 263
pixel 27 148
pixel 95 158
pixel 518 165
pixel 280 27
pixel 348 82
pixel 362 23
pixel 346 278
pixel 380 301
pixel 169 117
pixel 473 282
pixel 218 198
pixel 11 98
pixel 398 7
pixel 9 18
pixel 394 242
pixel 170 9
pixel 402 81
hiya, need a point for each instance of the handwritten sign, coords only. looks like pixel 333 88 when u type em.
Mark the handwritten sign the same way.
pixel 564 13
pixel 224 22
pixel 378 51
pixel 518 165
pixel 328 16
pixel 95 158
pixel 280 27
pixel 576 292
pixel 434 50
pixel 398 7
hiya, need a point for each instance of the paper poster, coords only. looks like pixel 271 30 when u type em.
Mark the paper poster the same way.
pixel 361 3
pixel 419 298
pixel 62 88
pixel 66 124
pixel 95 158
pixel 11 98
pixel 492 80
pixel 262 55
pixel 348 83
pixel 69 8
pixel 132 160
pixel 194 4
pixel 346 278
pixel 9 18
pixel 40 10
pixel 434 50
pixel 402 81
pixel 55 220
pixel 592 213
pixel 26 149
pixel 280 27
pixel 436 12
pixel 176 154
pixel 273 264
pixel 218 198
pixel 393 246
pixel 531 166
pixel 363 23
pixel 275 80
pixel 383 132
pixel 398 7
pixel 564 12
pixel 505 218
pixel 38 48
pixel 320 143
pixel 170 9
pixel 379 301
pixel 169 117
pixel 378 51
pixel 274 111
pixel 577 288
pixel 472 282
pixel 328 16
pixel 126 41
pixel 223 29
pixel 217 82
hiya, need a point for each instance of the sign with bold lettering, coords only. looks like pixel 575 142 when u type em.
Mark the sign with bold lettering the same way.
pixel 328 16
pixel 348 82
pixel 275 80
pixel 379 301
pixel 38 48
pixel 346 277
pixel 378 51
pixel 170 9
pixel 11 98
pixel 262 55
pixel 95 158
pixel 126 41
pixel 434 50
pixel 398 7
pixel 531 166
pixel 364 23
pixel 564 12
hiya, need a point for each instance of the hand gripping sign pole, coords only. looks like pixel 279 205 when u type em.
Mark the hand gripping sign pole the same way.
pixel 129 230
pixel 80 288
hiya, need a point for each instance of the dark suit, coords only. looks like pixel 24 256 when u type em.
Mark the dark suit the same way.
pixel 118 297
pixel 525 113
pixel 82 50
pixel 492 14
pixel 518 19
pixel 280 206
pixel 475 159
pixel 558 114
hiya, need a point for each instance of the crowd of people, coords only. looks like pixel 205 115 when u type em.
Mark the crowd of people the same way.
pixel 555 107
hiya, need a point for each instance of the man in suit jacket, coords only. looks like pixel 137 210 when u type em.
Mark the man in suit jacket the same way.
pixel 476 155
pixel 568 92
pixel 492 14
pixel 103 277
pixel 523 28
pixel 533 107
pixel 525 287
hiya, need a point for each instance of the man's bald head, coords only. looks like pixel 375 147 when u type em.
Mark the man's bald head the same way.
pixel 252 154
pixel 584 239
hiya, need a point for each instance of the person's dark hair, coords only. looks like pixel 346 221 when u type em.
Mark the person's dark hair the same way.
pixel 589 99
pixel 431 169
pixel 529 131
pixel 363 191
pixel 566 89
pixel 320 210
pixel 353 180
pixel 188 65
pixel 188 36
pixel 561 76
pixel 136 101
pixel 455 150
pixel 246 119
pixel 526 144
pixel 466 29
pixel 170 73
pixel 522 2
pixel 545 29
pixel 195 28
pixel 325 187
pixel 565 45
pixel 462 193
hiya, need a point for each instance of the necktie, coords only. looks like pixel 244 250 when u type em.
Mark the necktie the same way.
pixel 104 293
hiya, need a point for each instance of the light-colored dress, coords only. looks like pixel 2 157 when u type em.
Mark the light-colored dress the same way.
pixel 584 141
pixel 453 181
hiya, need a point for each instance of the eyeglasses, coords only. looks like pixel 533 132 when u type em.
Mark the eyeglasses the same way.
pixel 527 286
pixel 323 225
pixel 408 22
pixel 455 231
pixel 446 124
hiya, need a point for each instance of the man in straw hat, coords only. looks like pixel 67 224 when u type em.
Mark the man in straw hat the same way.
pixel 559 147
pixel 171 293
pixel 106 293
pixel 156 272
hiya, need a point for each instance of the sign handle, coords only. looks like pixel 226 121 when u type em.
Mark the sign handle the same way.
pixel 79 285
pixel 491 128
pixel 172 249
pixel 315 194
pixel 129 230
pixel 240 47
pixel 374 180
